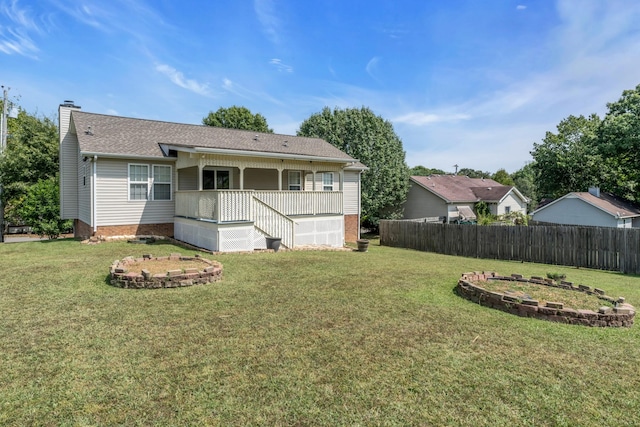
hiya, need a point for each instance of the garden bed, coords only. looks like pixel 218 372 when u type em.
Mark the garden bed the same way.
pixel 510 294
pixel 172 271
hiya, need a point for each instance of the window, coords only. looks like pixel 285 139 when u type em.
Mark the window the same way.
pixel 295 180
pixel 216 179
pixel 138 182
pixel 161 182
pixel 507 209
pixel 327 181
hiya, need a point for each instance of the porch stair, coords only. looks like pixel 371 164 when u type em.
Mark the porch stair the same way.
pixel 273 223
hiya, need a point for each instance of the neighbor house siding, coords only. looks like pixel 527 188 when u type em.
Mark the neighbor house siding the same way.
pixel 421 203
pixel 351 192
pixel 68 156
pixel 516 203
pixel 575 211
pixel 113 206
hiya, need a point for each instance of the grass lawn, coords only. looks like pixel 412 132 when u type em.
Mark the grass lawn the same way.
pixel 299 338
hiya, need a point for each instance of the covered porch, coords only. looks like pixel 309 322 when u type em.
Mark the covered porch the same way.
pixel 250 199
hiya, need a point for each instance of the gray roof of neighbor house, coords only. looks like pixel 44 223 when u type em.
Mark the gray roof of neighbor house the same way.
pixel 458 188
pixel 613 205
pixel 124 136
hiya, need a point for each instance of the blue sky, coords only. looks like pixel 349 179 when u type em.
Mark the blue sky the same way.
pixel 472 83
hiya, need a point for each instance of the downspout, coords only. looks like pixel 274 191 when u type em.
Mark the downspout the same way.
pixel 359 202
pixel 94 198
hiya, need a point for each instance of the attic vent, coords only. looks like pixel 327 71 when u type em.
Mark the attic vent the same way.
pixel 286 144
pixel 255 138
pixel 88 131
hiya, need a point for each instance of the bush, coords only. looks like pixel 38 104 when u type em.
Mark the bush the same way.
pixel 41 209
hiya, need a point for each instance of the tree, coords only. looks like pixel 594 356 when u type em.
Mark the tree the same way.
pixel 237 118
pixel 31 154
pixel 473 173
pixel 372 140
pixel 568 160
pixel 423 171
pixel 503 177
pixel 41 208
pixel 524 180
pixel 619 143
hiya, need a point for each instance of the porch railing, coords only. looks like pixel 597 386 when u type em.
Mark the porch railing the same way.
pixel 274 223
pixel 240 205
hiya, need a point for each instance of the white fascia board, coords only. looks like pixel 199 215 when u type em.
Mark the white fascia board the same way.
pixel 266 155
pixel 126 156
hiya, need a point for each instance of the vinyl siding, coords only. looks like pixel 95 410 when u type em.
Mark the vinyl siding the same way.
pixel 261 179
pixel 422 203
pixel 517 204
pixel 113 206
pixel 351 192
pixel 84 190
pixel 575 211
pixel 188 178
pixel 69 153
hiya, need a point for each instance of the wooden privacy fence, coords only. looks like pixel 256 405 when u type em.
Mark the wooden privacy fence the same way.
pixel 615 249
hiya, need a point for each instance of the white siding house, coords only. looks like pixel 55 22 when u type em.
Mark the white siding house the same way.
pixel 591 208
pixel 220 189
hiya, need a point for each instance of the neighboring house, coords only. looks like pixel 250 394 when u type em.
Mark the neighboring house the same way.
pixel 219 189
pixel 590 208
pixel 452 197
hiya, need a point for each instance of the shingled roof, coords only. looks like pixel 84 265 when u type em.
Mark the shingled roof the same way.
pixel 123 136
pixel 611 204
pixel 458 188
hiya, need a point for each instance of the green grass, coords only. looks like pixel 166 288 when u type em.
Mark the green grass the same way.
pixel 299 338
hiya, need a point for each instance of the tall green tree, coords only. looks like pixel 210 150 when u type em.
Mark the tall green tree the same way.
pixel 525 181
pixel 424 171
pixel 619 143
pixel 569 160
pixel 473 173
pixel 503 177
pixel 237 118
pixel 41 208
pixel 372 140
pixel 31 155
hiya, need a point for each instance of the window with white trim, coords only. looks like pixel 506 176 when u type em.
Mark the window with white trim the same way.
pixel 295 180
pixel 138 182
pixel 161 182
pixel 507 209
pixel 150 182
pixel 327 181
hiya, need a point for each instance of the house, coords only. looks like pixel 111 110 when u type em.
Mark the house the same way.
pixel 453 197
pixel 589 208
pixel 215 188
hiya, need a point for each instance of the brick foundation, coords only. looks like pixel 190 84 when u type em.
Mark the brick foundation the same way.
pixel 351 228
pixel 470 287
pixel 83 230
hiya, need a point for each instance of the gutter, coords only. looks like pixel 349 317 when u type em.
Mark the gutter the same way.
pixel 127 156
pixel 269 155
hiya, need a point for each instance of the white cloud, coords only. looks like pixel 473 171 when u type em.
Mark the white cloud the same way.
pixel 15 37
pixel 421 119
pixel 521 7
pixel 243 92
pixel 371 67
pixel 265 10
pixel 280 66
pixel 179 79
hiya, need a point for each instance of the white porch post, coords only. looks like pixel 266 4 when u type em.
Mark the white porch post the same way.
pixel 241 177
pixel 313 174
pixel 280 169
pixel 341 180
pixel 200 169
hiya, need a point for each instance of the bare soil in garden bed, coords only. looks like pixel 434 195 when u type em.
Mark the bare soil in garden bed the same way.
pixel 162 266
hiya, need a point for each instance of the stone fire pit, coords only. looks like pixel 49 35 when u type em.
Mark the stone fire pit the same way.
pixel 470 287
pixel 123 276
